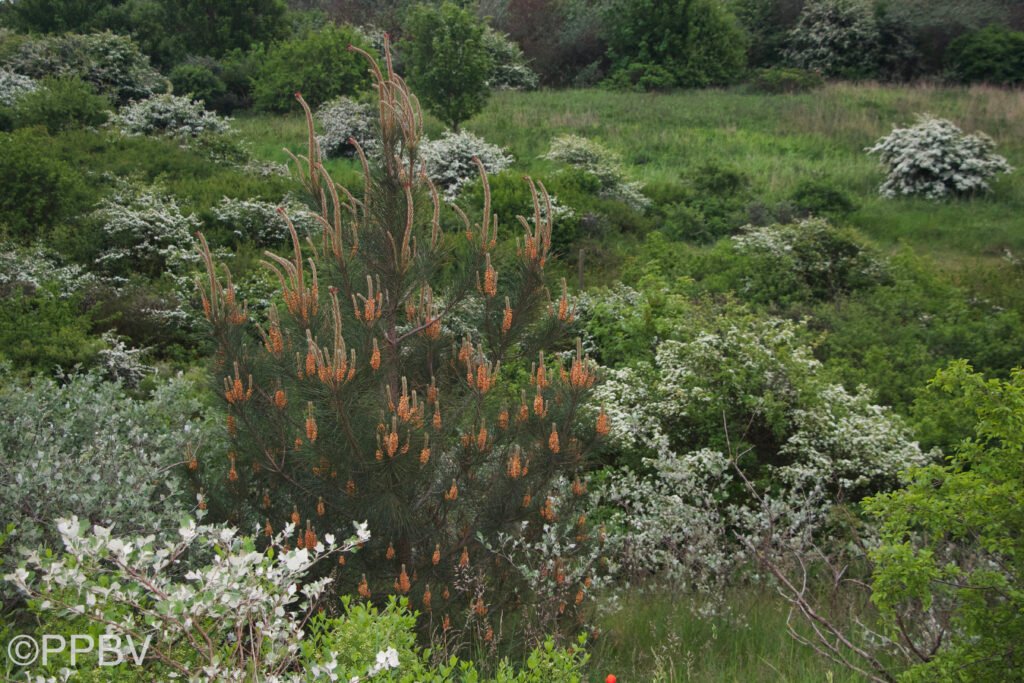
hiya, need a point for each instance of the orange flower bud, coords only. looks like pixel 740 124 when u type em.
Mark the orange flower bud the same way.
pixel 553 439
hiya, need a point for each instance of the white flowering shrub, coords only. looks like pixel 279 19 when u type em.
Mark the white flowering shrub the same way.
pixel 511 71
pixel 449 160
pixel 121 363
pixel 836 38
pixel 745 397
pixel 262 223
pixel 343 119
pixel 239 615
pixel 33 270
pixel 808 259
pixel 13 86
pixel 596 159
pixel 171 116
pixel 144 231
pixel 935 159
pixel 110 62
pixel 80 445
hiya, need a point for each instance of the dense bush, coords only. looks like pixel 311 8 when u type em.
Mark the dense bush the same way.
pixel 990 55
pixel 342 119
pixel 950 561
pixel 40 190
pixel 510 69
pixel 200 81
pixel 781 80
pixel 658 44
pixel 142 230
pixel 605 165
pixel 222 85
pixel 710 201
pixel 836 37
pixel 111 63
pixel 822 198
pixel 449 160
pixel 170 115
pixel 260 223
pixel 935 159
pixel 62 103
pixel 82 446
pixel 319 65
pixel 13 86
pixel 448 61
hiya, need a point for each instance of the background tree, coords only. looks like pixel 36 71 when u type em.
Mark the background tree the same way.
pixel 392 382
pixel 656 44
pixel 447 61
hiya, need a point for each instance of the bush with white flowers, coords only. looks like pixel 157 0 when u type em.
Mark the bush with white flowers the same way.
pixel 594 158
pixel 836 38
pixel 80 445
pixel 342 119
pixel 238 616
pixel 144 231
pixel 935 159
pixel 171 116
pixel 449 160
pixel 261 223
pixel 34 271
pixel 510 70
pixel 13 86
pixel 745 396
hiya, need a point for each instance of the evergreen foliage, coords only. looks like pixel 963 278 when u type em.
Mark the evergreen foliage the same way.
pixel 374 393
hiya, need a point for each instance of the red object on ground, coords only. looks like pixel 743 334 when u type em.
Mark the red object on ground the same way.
pixel 610 678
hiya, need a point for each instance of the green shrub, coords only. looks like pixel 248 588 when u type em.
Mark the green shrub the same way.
pixel 822 198
pixel 836 37
pixel 40 190
pixel 111 63
pixel 782 80
pixel 319 65
pixel 951 550
pixel 62 103
pixel 448 59
pixel 990 55
pixel 199 81
pixel 41 331
pixel 658 44
pixel 711 203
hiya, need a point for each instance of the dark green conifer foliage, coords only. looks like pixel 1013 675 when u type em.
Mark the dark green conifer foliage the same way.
pixel 377 390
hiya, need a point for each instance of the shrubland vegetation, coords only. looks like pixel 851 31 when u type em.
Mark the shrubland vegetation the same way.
pixel 752 348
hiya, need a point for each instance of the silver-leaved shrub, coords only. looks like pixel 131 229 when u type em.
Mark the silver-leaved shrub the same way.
pixel 170 116
pixel 450 165
pixel 596 159
pixel 79 445
pixel 935 159
pixel 13 86
pixel 343 119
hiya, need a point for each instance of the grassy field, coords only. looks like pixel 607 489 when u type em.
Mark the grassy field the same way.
pixel 777 140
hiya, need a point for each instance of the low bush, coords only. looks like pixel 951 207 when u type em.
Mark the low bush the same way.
pixel 40 190
pixel 605 165
pixel 198 80
pixel 343 119
pixel 935 159
pixel 822 198
pixel 62 103
pixel 449 160
pixel 169 115
pixel 13 86
pixel 81 445
pixel 784 81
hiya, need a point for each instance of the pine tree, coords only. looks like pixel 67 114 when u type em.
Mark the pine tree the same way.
pixel 399 379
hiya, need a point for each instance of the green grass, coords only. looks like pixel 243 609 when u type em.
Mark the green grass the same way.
pixel 656 636
pixel 778 140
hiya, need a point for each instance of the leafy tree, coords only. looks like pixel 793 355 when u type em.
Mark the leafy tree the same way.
pixel 837 38
pixel 214 27
pixel 952 540
pixel 390 385
pixel 319 65
pixel 448 61
pixel 656 44
pixel 991 55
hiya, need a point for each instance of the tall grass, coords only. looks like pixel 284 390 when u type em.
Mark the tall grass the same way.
pixel 658 636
